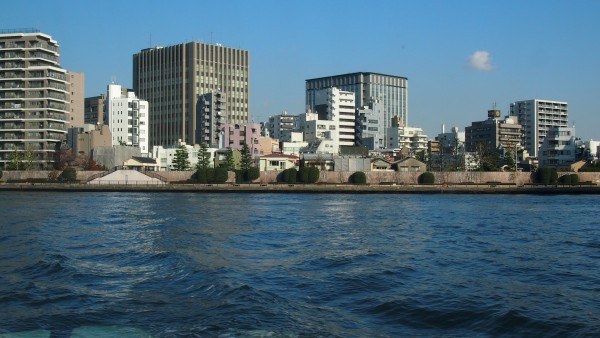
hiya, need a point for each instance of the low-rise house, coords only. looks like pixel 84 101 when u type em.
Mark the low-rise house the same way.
pixel 409 164
pixel 141 164
pixel 278 162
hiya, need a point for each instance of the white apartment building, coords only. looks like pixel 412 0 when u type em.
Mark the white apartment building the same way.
pixel 558 148
pixel 536 118
pixel 128 119
pixel 331 122
pixel 412 138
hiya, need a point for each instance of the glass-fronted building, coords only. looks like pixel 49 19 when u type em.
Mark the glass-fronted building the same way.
pixel 390 90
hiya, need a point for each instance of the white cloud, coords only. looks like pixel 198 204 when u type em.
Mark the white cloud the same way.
pixel 480 60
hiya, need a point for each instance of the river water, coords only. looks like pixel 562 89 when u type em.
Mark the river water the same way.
pixel 298 265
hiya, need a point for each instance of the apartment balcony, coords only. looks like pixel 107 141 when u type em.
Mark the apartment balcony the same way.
pixel 10 95
pixel 12 136
pixel 12 55
pixel 45 46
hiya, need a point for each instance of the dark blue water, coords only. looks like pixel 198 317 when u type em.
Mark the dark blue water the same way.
pixel 237 265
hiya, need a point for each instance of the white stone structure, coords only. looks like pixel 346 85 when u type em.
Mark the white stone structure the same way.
pixel 559 148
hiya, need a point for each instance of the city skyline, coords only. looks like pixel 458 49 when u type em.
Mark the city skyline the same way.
pixel 461 58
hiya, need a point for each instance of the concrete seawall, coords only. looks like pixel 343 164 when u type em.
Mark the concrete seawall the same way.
pixel 308 188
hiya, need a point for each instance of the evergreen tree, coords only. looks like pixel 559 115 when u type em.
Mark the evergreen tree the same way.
pixel 203 157
pixel 229 162
pixel 181 161
pixel 246 161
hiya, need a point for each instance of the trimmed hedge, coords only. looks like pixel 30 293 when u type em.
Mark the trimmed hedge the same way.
pixel 569 179
pixel 426 178
pixel 547 176
pixel 210 175
pixel 358 177
pixel 289 176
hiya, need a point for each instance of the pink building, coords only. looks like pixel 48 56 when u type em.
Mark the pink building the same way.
pixel 235 135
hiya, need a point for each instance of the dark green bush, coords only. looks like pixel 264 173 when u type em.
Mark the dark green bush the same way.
pixel 313 175
pixel 0 173
pixel 221 175
pixel 426 178
pixel 565 179
pixel 547 176
pixel 303 175
pixel 574 179
pixel 358 177
pixel 200 175
pixel 251 174
pixel 289 175
pixel 68 175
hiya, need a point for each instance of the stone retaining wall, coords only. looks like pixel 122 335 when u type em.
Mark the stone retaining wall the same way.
pixel 373 177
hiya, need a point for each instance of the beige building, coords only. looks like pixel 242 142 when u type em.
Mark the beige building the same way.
pixel 76 98
pixel 172 78
pixel 34 98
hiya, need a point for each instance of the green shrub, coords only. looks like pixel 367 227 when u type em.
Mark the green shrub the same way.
pixel 221 175
pixel 0 173
pixel 313 175
pixel 200 175
pixel 303 175
pixel 289 175
pixel 565 179
pixel 68 175
pixel 547 176
pixel 574 179
pixel 358 177
pixel 426 178
pixel 251 174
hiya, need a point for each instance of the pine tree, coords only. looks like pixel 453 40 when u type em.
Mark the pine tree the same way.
pixel 229 162
pixel 181 161
pixel 246 158
pixel 203 157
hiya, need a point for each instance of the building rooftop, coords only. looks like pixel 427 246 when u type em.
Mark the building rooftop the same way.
pixel 366 73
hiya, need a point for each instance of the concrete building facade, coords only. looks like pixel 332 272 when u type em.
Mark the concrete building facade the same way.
pixel 34 98
pixel 281 126
pixel 211 111
pixel 235 135
pixel 494 133
pixel 93 111
pixel 370 126
pixel 559 148
pixel 331 122
pixel 171 79
pixel 128 119
pixel 537 117
pixel 390 90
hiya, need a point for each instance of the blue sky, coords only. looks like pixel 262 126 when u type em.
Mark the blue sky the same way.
pixel 460 57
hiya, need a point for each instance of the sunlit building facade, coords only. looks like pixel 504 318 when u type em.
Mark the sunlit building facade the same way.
pixel 34 98
pixel 172 78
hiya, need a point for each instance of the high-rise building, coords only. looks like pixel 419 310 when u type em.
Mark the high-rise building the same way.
pixel 128 119
pixel 391 91
pixel 34 91
pixel 171 79
pixel 211 109
pixel 537 117
pixel 76 98
pixel 330 122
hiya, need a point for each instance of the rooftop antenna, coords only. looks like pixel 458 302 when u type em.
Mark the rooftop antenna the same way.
pixel 150 41
pixel 211 38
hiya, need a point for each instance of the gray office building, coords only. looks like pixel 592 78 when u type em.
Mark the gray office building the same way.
pixel 391 91
pixel 172 78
